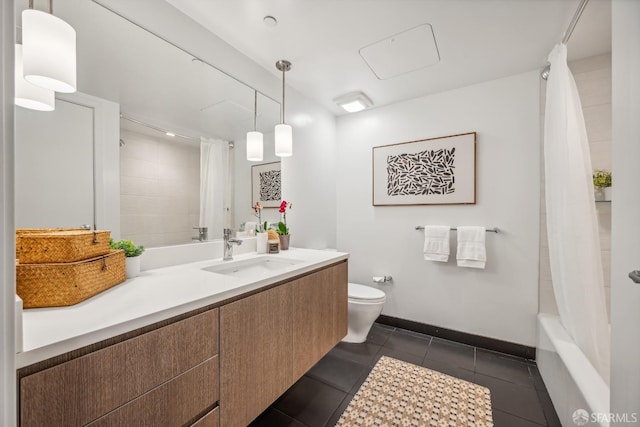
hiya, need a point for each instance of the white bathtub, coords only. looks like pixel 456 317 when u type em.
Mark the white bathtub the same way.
pixel 573 383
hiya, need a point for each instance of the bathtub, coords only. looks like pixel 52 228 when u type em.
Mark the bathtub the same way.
pixel 573 383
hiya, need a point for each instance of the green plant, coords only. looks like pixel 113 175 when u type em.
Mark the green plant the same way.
pixel 282 229
pixel 601 178
pixel 130 249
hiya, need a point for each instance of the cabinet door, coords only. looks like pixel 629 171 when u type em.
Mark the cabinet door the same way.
pixel 319 315
pixel 255 354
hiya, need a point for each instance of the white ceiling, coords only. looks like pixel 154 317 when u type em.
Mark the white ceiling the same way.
pixel 477 40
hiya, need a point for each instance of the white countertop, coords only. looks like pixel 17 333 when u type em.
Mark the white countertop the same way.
pixel 153 296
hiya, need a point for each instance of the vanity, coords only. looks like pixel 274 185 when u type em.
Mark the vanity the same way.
pixel 208 343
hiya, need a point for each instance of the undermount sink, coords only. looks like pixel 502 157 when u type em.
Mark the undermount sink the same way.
pixel 254 267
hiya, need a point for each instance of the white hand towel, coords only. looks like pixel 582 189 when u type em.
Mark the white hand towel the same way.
pixel 436 243
pixel 471 247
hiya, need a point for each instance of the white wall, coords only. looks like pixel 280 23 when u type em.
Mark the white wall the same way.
pixel 625 251
pixel 7 229
pixel 309 177
pixel 499 302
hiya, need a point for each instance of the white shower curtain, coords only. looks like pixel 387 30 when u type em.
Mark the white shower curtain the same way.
pixel 214 179
pixel 572 228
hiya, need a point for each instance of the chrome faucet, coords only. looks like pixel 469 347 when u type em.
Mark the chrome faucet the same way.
pixel 202 234
pixel 228 245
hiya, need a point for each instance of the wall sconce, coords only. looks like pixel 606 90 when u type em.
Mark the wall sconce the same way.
pixel 31 96
pixel 283 132
pixel 353 102
pixel 49 50
pixel 255 138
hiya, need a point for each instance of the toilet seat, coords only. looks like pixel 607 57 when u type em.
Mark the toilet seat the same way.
pixel 365 294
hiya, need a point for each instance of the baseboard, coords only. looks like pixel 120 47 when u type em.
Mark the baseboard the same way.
pixel 493 344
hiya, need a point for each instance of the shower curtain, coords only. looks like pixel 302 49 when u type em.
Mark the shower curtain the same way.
pixel 572 228
pixel 214 179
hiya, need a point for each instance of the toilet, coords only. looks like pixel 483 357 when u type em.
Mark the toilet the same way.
pixel 364 306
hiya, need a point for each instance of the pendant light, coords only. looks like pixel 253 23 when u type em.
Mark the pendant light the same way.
pixel 254 138
pixel 283 133
pixel 49 50
pixel 28 95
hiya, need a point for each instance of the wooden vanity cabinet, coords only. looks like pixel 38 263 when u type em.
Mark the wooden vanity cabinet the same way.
pixel 174 374
pixel 270 339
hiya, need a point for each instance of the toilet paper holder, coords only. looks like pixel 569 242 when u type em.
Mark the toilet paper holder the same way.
pixel 382 279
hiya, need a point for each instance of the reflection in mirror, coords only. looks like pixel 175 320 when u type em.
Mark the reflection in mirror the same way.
pixel 54 166
pixel 160 85
pixel 159 185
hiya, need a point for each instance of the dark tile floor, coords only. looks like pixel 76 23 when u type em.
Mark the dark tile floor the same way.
pixel 318 399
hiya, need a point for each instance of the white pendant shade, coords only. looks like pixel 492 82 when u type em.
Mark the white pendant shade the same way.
pixel 284 140
pixel 28 95
pixel 254 146
pixel 49 51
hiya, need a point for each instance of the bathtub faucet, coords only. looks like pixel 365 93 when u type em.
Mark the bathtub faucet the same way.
pixel 228 245
pixel 202 234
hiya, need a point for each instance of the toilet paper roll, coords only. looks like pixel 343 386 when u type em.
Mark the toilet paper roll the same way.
pixel 381 279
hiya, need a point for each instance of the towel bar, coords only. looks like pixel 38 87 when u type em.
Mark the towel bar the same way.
pixel 488 230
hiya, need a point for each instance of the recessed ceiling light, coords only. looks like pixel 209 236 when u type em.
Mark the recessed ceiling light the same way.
pixel 353 102
pixel 170 134
pixel 270 21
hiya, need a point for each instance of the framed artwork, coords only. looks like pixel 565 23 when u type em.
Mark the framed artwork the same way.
pixel 266 185
pixel 435 171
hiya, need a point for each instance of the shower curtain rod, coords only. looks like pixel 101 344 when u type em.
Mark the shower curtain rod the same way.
pixel 156 128
pixel 131 119
pixel 574 21
pixel 568 32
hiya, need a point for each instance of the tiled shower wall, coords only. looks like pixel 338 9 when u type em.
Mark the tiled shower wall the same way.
pixel 593 79
pixel 159 189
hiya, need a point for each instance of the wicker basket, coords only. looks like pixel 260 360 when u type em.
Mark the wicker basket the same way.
pixel 48 245
pixel 62 284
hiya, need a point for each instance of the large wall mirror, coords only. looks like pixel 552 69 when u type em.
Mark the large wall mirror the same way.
pixel 134 89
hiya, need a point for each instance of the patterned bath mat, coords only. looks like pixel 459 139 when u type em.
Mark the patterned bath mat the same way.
pixel 398 393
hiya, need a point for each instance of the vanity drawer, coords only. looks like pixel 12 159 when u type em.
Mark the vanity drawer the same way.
pixel 172 404
pixel 212 419
pixel 81 390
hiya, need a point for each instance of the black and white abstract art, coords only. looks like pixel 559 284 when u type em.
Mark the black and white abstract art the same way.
pixel 270 186
pixel 266 185
pixel 429 171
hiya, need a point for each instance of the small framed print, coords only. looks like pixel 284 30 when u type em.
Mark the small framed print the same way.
pixel 266 185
